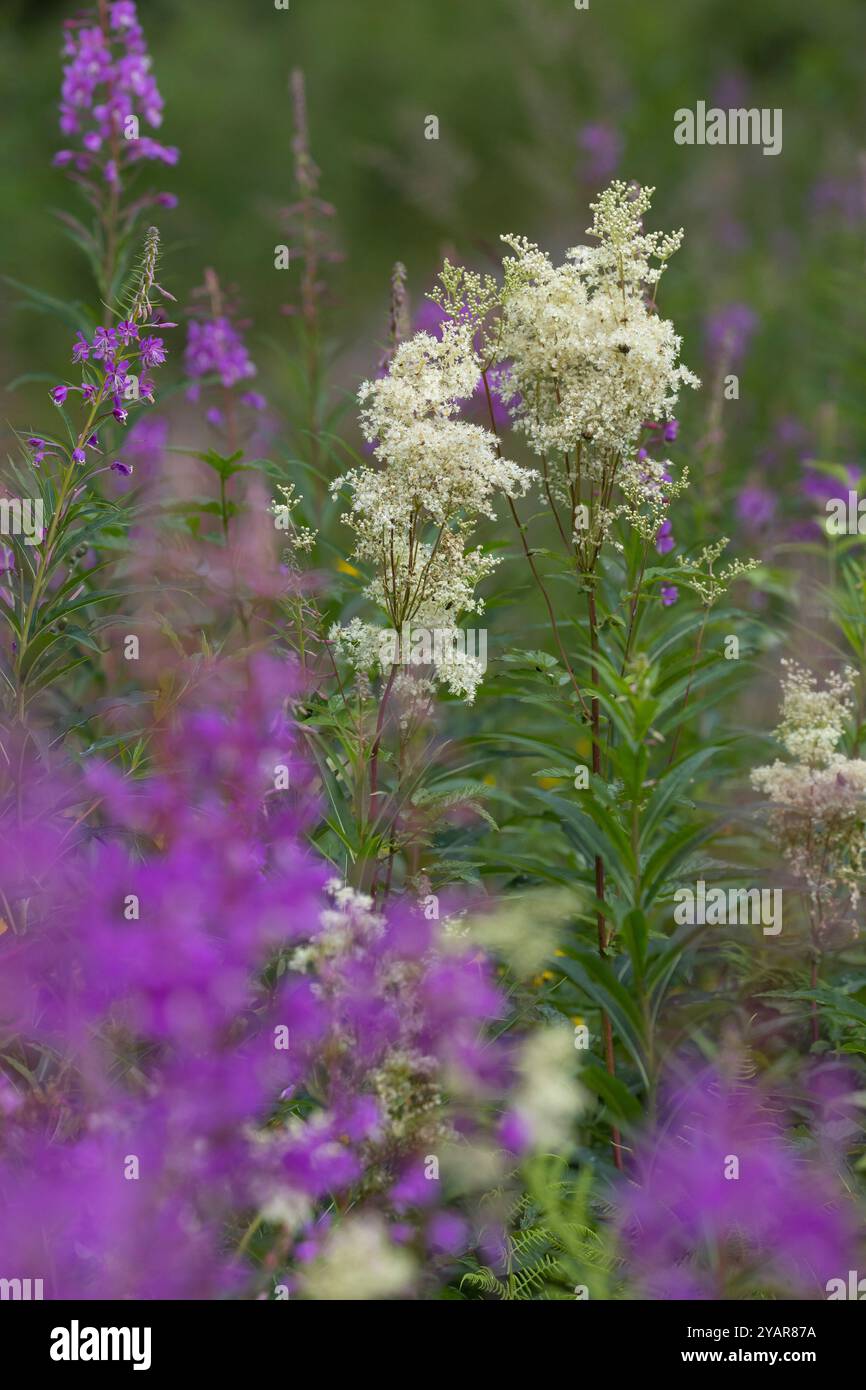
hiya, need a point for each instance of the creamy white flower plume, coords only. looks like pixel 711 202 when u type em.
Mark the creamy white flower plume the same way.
pixel 412 515
pixel 819 799
pixel 591 360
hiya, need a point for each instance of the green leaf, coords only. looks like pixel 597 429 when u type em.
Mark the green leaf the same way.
pixel 615 1094
pixel 635 929
pixel 670 790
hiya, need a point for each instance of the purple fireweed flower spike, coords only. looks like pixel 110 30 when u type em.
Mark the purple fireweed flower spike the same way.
pixel 108 91
pixel 215 348
pixel 100 357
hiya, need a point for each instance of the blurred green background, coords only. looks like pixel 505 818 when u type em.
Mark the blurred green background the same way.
pixel 538 104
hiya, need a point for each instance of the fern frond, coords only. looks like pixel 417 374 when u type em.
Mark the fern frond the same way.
pixel 485 1281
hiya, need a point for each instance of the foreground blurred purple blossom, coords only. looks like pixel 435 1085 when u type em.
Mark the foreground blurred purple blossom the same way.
pixel 179 955
pixel 723 1205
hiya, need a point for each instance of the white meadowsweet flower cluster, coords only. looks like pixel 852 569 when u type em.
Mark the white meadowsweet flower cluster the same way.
pixel 814 720
pixel 408 1080
pixel 408 1087
pixel 822 793
pixel 442 648
pixel 413 513
pixel 349 919
pixel 458 670
pixel 358 643
pixel 590 359
pixel 698 571
pixel 648 488
pixel 435 466
pixel 299 537
pixel 818 800
pixel 413 696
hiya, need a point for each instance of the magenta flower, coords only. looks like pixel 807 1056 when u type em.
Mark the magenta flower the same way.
pixel 152 352
pixel 39 449
pixel 665 541
pixel 100 358
pixel 145 148
pixel 104 343
pixel 114 381
pixel 144 446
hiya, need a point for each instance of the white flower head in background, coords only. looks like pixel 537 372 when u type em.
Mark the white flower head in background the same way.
pixel 818 800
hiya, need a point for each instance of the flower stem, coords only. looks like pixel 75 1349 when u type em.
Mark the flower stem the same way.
pixel 601 922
